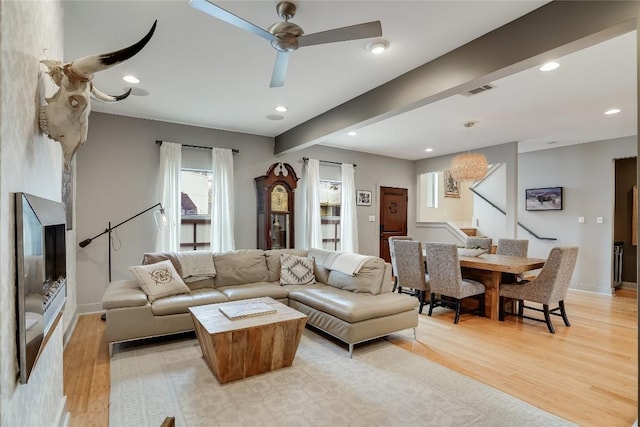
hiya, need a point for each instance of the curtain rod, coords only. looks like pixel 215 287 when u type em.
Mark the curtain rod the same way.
pixel 327 161
pixel 234 150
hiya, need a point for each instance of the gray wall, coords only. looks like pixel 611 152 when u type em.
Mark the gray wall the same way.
pixel 586 171
pixel 29 162
pixel 118 177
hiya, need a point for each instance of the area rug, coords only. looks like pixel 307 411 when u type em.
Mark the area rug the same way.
pixel 383 385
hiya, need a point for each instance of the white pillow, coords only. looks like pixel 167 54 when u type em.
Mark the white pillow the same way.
pixel 296 270
pixel 159 280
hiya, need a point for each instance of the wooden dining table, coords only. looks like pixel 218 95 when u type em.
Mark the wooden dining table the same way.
pixel 488 268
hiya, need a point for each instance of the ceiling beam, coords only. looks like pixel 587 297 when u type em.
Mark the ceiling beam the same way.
pixel 549 32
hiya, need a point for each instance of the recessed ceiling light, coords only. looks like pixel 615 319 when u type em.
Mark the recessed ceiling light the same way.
pixel 378 46
pixel 612 111
pixel 131 79
pixel 352 133
pixel 428 150
pixel 549 66
pixel 281 108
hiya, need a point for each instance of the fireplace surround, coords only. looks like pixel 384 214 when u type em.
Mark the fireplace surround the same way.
pixel 41 272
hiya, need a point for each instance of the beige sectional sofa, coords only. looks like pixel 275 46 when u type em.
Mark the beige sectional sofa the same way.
pixel 352 308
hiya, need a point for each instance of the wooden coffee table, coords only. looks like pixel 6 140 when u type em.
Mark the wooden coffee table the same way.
pixel 240 348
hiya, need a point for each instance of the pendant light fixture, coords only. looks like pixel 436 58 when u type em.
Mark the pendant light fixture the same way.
pixel 469 166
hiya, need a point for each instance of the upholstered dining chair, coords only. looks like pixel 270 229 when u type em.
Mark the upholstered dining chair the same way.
pixel 479 242
pixel 445 278
pixel 410 272
pixel 394 268
pixel 549 287
pixel 513 247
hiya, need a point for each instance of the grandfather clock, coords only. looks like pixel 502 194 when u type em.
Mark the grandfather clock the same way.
pixel 275 192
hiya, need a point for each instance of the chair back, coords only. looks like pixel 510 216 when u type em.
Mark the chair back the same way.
pixel 479 242
pixel 513 247
pixel 555 276
pixel 392 250
pixel 410 264
pixel 445 276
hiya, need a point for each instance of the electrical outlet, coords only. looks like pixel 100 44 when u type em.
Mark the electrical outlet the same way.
pixel 372 218
pixel 599 220
pixel 581 219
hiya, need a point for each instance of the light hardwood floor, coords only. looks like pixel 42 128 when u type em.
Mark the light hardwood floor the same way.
pixel 587 373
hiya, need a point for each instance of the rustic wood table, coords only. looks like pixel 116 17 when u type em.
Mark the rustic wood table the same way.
pixel 488 269
pixel 240 348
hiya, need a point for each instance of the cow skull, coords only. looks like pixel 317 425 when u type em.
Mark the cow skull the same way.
pixel 65 116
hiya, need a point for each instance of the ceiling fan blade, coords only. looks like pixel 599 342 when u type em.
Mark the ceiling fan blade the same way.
pixel 353 32
pixel 279 70
pixel 216 11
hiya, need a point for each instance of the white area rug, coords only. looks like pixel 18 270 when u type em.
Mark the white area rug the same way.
pixel 383 385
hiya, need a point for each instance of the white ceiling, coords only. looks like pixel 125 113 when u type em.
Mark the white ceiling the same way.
pixel 201 71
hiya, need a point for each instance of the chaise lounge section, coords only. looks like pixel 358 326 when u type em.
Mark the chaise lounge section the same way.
pixel 351 307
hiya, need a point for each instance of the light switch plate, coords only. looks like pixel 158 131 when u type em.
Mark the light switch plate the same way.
pixel 581 219
pixel 599 220
pixel 372 218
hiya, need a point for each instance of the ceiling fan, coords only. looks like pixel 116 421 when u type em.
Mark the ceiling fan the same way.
pixel 285 36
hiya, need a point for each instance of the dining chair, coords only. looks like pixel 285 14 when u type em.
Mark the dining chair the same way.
pixel 410 273
pixel 513 247
pixel 479 242
pixel 550 286
pixel 445 279
pixel 394 268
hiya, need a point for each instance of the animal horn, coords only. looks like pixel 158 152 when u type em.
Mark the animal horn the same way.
pixel 86 66
pixel 101 96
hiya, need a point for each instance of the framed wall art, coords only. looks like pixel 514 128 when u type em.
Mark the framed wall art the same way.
pixel 451 186
pixel 543 199
pixel 363 198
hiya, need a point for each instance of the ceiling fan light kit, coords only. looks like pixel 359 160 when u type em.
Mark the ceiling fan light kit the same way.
pixel 469 166
pixel 285 37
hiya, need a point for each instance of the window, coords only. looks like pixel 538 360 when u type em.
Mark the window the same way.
pixel 330 200
pixel 195 225
pixel 431 189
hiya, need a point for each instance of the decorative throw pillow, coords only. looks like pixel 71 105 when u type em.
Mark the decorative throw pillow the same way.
pixel 159 280
pixel 296 270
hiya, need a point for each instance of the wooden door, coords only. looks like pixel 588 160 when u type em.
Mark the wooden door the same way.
pixel 393 217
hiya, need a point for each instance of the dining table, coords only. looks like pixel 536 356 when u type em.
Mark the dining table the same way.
pixel 488 269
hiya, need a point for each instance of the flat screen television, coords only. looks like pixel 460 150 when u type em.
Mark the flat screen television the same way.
pixel 40 274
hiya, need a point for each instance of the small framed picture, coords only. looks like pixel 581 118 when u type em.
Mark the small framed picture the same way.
pixel 543 199
pixel 363 198
pixel 451 186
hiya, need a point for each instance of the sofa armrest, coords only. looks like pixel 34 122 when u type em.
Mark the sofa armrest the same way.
pixel 124 293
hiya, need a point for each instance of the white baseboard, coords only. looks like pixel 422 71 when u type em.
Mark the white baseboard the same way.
pixel 89 308
pixel 63 415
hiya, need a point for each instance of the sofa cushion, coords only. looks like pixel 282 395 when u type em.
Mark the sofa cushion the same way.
pixel 323 259
pixel 178 304
pixel 350 306
pixel 159 280
pixel 254 290
pixel 296 270
pixel 240 267
pixel 273 260
pixel 124 293
pixel 199 283
pixel 368 280
pixel 155 257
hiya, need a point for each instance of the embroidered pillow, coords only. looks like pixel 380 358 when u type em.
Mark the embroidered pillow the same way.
pixel 159 280
pixel 296 270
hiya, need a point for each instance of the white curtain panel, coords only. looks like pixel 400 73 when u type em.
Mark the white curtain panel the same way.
pixel 348 212
pixel 308 225
pixel 222 197
pixel 168 237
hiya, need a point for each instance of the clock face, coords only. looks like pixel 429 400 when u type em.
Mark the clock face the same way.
pixel 279 198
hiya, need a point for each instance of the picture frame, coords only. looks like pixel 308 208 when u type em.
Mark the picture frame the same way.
pixel 543 199
pixel 363 198
pixel 451 186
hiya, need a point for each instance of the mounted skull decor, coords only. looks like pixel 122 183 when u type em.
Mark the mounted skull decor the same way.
pixel 65 117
